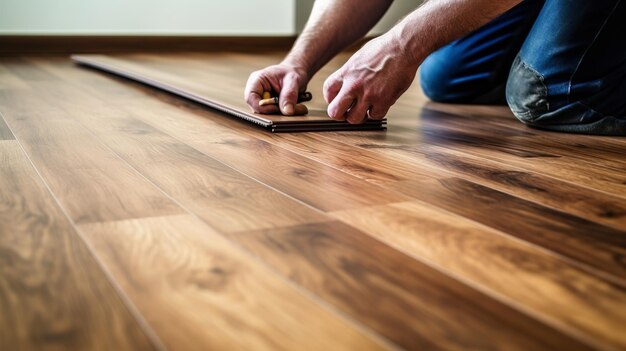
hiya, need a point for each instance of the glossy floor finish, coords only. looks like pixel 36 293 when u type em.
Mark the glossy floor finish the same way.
pixel 131 219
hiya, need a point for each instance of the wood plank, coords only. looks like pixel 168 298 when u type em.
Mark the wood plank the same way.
pixel 317 185
pixel 53 294
pixel 530 278
pixel 199 292
pixel 5 131
pixel 563 196
pixel 549 288
pixel 539 187
pixel 495 147
pixel 503 136
pixel 388 165
pixel 223 197
pixel 8 79
pixel 404 300
pixel 88 179
pixel 601 146
pixel 582 241
pixel 190 83
pixel 20 68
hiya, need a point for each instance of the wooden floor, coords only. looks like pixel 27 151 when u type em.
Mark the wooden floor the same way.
pixel 131 219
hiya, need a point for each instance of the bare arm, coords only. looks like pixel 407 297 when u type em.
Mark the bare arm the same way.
pixel 375 76
pixel 439 22
pixel 332 26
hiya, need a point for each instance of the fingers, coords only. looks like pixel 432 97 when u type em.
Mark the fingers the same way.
pixel 301 109
pixel 339 106
pixel 332 86
pixel 289 94
pixel 378 112
pixel 358 113
pixel 253 93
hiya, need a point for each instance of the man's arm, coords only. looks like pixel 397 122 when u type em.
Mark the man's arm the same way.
pixel 375 76
pixel 332 26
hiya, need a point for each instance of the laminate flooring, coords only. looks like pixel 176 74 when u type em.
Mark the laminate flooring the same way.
pixel 133 219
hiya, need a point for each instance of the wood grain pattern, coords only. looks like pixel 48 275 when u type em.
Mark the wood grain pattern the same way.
pixel 53 294
pixel 72 162
pixel 198 292
pixel 458 228
pixel 540 187
pixel 607 179
pixel 223 197
pixel 546 286
pixel 583 241
pixel 327 188
pixel 395 163
pixel 403 299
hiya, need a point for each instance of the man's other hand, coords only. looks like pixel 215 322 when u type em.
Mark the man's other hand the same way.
pixel 371 81
pixel 283 79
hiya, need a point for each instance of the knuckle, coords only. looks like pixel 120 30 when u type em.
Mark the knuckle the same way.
pixel 357 85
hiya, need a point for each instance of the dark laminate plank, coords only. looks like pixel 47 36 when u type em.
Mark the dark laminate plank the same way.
pixel 542 284
pixel 401 298
pixel 198 291
pixel 190 82
pixel 53 294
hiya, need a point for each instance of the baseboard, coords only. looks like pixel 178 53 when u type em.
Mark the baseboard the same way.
pixel 53 44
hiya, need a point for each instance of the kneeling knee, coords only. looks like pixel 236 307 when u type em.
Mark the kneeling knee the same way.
pixel 526 93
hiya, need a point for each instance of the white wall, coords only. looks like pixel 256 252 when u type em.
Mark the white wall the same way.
pixel 158 17
pixel 398 9
pixel 167 17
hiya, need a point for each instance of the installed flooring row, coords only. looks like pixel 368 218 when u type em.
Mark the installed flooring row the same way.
pixel 132 219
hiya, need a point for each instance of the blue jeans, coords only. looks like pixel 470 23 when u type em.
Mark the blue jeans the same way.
pixel 559 64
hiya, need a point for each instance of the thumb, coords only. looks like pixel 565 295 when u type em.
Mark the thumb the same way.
pixel 289 94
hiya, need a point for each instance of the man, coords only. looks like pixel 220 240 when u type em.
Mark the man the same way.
pixel 559 64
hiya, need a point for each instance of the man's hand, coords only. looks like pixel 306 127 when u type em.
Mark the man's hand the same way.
pixel 284 79
pixel 371 81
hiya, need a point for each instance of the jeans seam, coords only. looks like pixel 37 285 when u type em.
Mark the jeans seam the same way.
pixel 592 109
pixel 582 57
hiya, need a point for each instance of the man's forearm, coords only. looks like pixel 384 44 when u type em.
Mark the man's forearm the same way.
pixel 332 26
pixel 439 22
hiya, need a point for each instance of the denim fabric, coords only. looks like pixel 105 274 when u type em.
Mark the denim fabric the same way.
pixel 560 64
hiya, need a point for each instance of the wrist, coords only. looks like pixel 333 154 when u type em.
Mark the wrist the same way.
pixel 409 43
pixel 298 64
